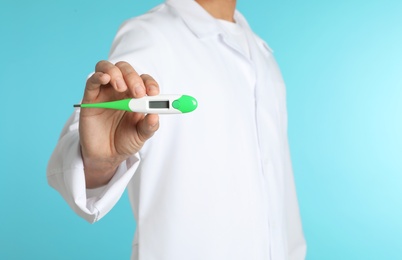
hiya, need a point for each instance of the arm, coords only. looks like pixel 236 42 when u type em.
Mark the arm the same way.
pixel 104 142
pixel 65 170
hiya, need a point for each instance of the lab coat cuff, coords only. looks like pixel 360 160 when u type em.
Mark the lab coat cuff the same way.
pixel 66 174
pixel 102 200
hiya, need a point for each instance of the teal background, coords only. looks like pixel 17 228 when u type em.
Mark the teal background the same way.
pixel 341 60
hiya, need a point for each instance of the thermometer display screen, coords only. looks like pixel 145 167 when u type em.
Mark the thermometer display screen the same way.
pixel 158 104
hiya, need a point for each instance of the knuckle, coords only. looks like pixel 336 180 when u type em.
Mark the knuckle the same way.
pixel 148 80
pixel 128 71
pixel 113 71
pixel 107 67
pixel 121 63
pixel 132 76
pixel 146 77
pixel 100 64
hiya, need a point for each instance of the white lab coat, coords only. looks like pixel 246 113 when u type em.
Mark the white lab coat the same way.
pixel 214 184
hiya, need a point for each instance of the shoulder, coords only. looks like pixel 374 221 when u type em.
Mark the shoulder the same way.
pixel 160 18
pixel 142 32
pixel 263 44
pixel 245 25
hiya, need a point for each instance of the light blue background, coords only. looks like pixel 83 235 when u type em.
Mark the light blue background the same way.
pixel 341 60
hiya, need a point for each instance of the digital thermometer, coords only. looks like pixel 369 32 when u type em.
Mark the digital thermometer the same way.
pixel 160 104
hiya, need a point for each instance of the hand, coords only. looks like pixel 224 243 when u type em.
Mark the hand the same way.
pixel 108 137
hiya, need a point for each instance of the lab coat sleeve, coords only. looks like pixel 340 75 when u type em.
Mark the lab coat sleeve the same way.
pixel 296 243
pixel 65 173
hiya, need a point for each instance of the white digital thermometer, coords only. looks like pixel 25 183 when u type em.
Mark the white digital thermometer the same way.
pixel 160 104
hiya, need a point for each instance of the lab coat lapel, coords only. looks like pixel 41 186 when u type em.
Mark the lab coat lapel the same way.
pixel 197 19
pixel 203 25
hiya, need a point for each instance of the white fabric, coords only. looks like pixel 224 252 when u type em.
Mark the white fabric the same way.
pixel 214 184
pixel 238 34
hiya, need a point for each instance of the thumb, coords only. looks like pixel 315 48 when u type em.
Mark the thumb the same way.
pixel 147 127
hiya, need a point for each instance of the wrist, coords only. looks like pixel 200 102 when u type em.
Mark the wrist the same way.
pixel 99 171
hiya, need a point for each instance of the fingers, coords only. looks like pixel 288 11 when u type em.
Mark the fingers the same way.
pixel 132 80
pixel 93 85
pixel 139 85
pixel 116 76
pixel 105 73
pixel 122 77
pixel 151 85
